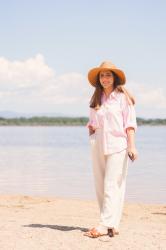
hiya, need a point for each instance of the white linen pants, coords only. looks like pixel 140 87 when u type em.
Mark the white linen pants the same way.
pixel 110 173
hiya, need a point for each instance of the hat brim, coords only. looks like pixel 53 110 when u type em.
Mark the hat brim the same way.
pixel 93 75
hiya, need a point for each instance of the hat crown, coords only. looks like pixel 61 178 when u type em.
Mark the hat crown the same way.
pixel 107 64
pixel 93 74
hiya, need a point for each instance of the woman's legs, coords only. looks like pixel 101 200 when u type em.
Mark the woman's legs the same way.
pixel 99 165
pixel 114 189
pixel 110 181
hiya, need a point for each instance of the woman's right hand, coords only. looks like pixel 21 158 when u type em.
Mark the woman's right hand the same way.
pixel 91 130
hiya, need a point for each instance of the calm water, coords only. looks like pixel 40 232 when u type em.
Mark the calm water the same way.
pixel 55 161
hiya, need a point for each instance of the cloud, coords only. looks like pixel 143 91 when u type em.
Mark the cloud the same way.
pixel 22 74
pixel 150 100
pixel 33 81
pixel 149 96
pixel 32 85
pixel 67 88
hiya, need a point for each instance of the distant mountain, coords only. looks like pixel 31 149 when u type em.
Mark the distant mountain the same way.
pixel 9 114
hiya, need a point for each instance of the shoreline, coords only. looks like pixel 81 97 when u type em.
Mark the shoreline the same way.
pixel 48 222
pixel 24 197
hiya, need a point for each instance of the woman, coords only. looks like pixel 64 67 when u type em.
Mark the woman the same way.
pixel 112 125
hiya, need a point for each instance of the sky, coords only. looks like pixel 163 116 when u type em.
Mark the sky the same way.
pixel 47 48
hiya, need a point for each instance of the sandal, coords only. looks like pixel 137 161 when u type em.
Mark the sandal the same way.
pixel 93 233
pixel 112 232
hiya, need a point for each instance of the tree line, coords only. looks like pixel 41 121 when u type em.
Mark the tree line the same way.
pixel 64 121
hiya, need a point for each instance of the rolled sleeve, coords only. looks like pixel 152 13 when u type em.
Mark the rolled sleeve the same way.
pixel 129 114
pixel 92 119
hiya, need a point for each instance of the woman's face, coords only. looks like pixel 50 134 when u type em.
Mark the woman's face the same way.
pixel 106 79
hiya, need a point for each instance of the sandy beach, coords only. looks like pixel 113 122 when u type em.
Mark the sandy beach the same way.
pixel 48 223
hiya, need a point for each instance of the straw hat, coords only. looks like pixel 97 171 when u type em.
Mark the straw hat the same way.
pixel 93 73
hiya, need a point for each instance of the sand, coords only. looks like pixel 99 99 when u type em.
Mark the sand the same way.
pixel 48 223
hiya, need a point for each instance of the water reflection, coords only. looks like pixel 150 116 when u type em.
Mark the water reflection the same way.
pixel 56 161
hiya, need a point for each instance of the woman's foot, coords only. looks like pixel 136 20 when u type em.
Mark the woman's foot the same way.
pixel 112 232
pixel 94 233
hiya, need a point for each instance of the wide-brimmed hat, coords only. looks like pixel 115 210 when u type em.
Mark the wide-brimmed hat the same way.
pixel 107 65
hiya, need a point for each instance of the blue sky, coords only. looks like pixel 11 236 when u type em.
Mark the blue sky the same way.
pixel 47 48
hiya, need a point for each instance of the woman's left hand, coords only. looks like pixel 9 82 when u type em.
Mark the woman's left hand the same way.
pixel 132 153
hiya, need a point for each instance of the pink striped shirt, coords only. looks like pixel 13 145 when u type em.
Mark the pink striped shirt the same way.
pixel 113 117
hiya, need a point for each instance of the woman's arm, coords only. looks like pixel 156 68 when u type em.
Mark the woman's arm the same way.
pixel 133 154
pixel 92 123
pixel 130 126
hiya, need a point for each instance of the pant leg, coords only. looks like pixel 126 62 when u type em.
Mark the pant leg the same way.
pixel 114 189
pixel 98 165
pixel 121 204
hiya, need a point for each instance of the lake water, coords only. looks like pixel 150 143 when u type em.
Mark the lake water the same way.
pixel 56 161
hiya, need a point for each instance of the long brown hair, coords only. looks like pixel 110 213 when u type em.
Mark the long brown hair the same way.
pixel 95 101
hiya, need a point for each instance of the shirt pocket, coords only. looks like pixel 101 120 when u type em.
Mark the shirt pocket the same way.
pixel 114 107
pixel 114 118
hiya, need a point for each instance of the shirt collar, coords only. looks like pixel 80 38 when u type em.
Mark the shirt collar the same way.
pixel 112 95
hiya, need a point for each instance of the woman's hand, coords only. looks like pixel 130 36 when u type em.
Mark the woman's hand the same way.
pixel 132 153
pixel 91 130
